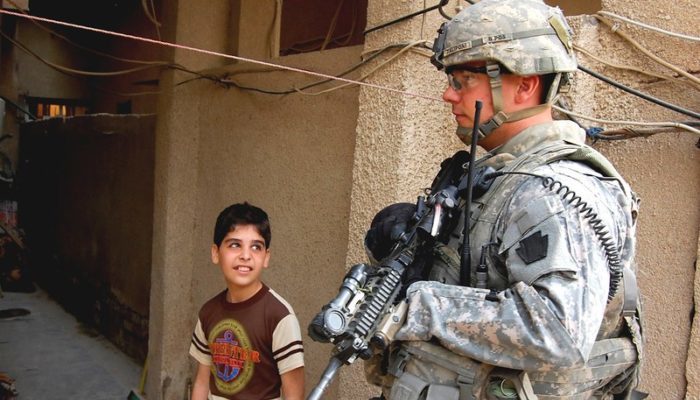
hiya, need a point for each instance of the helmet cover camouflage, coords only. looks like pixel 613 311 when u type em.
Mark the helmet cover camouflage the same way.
pixel 528 37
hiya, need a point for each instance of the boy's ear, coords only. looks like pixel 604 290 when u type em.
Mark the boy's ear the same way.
pixel 215 254
pixel 267 258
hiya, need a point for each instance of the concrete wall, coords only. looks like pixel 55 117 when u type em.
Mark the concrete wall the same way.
pixel 86 205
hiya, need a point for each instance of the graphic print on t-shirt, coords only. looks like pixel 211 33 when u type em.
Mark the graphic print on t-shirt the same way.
pixel 233 359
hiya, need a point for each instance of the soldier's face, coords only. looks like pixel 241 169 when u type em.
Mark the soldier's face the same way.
pixel 463 89
pixel 466 87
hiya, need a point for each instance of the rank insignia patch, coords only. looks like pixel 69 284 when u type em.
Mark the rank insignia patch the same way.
pixel 533 248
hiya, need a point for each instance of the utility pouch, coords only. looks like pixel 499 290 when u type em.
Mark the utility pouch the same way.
pixel 408 387
pixel 442 392
pixel 435 371
pixel 411 387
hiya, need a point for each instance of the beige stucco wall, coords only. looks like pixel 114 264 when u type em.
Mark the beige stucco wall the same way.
pixel 299 171
pixel 664 170
pixel 291 155
pixel 322 166
pixel 400 140
pixel 693 363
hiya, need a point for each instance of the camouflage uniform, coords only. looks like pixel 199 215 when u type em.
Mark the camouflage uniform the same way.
pixel 543 306
pixel 552 312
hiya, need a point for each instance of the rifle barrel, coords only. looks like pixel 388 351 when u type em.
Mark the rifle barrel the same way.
pixel 326 379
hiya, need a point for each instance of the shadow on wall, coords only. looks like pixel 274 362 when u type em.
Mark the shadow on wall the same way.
pixel 85 203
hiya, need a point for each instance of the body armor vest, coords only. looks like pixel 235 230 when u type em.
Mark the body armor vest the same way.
pixel 613 363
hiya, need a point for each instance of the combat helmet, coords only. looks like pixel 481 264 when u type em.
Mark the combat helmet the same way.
pixel 526 37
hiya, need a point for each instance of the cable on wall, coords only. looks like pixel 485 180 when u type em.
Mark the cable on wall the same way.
pixel 652 28
pixel 88 49
pixel 224 55
pixel 405 17
pixel 676 125
pixel 616 29
pixel 663 77
pixel 637 93
pixel 150 12
pixel 327 77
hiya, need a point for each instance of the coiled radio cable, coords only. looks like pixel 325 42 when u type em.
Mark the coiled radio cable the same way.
pixel 569 196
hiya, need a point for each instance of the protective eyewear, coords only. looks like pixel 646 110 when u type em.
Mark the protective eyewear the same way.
pixel 459 82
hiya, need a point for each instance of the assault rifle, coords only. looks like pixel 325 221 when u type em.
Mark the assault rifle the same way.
pixel 368 310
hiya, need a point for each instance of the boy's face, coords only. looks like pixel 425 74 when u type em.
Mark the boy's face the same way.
pixel 242 256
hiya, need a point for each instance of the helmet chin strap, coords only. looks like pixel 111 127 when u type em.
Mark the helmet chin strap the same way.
pixel 493 70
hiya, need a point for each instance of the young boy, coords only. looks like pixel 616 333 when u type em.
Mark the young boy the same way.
pixel 247 339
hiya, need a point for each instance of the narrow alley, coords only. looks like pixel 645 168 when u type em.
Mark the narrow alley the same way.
pixel 51 355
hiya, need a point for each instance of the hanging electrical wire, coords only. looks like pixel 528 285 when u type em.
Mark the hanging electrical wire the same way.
pixel 72 70
pixel 409 16
pixel 368 73
pixel 616 29
pixel 676 125
pixel 652 28
pixel 628 133
pixel 331 28
pixel 371 55
pixel 212 78
pixel 322 42
pixel 78 72
pixel 663 77
pixel 54 33
pixel 637 93
pixel 228 82
pixel 150 12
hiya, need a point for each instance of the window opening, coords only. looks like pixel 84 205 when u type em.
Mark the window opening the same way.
pixel 314 25
pixel 49 107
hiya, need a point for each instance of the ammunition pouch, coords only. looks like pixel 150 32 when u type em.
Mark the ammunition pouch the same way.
pixel 426 371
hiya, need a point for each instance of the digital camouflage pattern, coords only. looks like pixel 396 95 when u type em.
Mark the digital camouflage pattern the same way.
pixel 526 36
pixel 547 315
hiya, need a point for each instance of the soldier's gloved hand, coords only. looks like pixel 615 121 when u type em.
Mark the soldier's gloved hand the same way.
pixel 315 329
pixel 386 228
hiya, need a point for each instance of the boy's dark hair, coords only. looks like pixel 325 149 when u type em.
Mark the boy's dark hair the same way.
pixel 242 214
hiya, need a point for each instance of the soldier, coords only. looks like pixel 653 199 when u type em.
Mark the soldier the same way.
pixel 551 310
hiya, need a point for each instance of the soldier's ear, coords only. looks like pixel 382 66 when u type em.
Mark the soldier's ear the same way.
pixel 529 89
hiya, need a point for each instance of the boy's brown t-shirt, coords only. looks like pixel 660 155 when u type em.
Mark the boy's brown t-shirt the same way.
pixel 247 345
